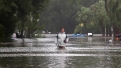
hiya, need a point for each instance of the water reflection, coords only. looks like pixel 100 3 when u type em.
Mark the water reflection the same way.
pixel 57 61
pixel 60 62
pixel 79 53
pixel 89 39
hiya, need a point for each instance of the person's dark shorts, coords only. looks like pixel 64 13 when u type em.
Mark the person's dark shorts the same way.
pixel 61 47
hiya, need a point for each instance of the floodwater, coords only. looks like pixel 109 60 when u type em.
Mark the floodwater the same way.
pixel 80 52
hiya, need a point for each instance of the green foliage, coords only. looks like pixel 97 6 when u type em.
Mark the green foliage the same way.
pixel 19 12
pixel 119 9
pixel 28 14
pixel 114 13
pixel 103 14
pixel 60 13
pixel 93 28
pixel 78 29
pixel 1 32
pixel 93 17
pixel 7 18
pixel 88 3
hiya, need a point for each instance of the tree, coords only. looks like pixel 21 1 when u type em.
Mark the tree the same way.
pixel 28 14
pixel 84 17
pixel 7 19
pixel 94 18
pixel 60 13
pixel 19 12
pixel 113 9
pixel 88 3
pixel 100 16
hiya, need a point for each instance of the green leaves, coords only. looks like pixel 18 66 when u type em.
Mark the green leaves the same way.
pixel 103 14
pixel 7 18
pixel 94 15
pixel 114 11
pixel 12 11
pixel 1 32
pixel 28 14
pixel 60 13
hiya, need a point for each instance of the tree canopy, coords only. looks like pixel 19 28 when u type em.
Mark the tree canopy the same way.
pixel 113 9
pixel 64 13
pixel 60 13
pixel 77 16
pixel 104 14
pixel 15 14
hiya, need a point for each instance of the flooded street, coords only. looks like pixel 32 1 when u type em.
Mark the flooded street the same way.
pixel 80 52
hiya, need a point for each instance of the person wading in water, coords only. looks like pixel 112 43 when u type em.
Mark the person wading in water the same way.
pixel 62 39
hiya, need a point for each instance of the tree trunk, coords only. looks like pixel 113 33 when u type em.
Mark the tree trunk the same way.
pixel 85 28
pixel 22 31
pixel 109 31
pixel 106 6
pixel 102 28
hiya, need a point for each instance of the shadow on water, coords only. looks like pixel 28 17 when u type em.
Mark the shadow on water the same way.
pixel 86 52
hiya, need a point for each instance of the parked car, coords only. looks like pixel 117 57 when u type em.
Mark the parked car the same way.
pixel 77 35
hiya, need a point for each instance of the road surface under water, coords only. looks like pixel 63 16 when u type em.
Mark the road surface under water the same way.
pixel 80 52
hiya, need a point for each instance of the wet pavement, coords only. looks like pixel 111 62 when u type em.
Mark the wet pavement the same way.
pixel 80 52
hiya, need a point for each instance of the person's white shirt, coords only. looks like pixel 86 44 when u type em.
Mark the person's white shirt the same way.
pixel 60 39
pixel 110 41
